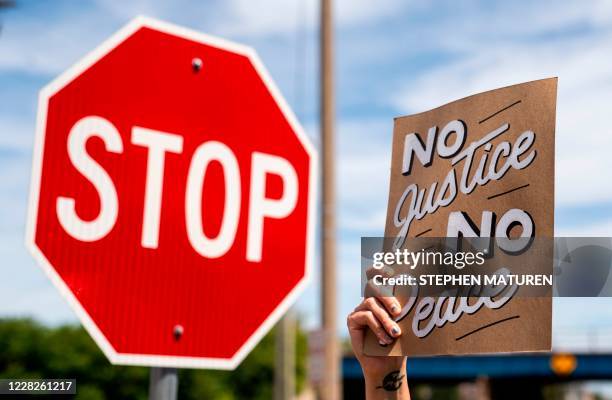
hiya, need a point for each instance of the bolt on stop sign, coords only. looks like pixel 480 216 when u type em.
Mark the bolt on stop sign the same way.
pixel 173 197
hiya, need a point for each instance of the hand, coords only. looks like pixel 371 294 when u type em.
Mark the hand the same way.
pixel 385 376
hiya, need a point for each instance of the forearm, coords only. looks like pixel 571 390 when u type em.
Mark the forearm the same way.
pixel 391 384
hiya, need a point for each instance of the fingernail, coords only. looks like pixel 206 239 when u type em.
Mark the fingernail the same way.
pixel 380 342
pixel 395 330
pixel 388 339
pixel 395 308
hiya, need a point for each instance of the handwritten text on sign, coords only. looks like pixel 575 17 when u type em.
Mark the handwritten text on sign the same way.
pixel 492 166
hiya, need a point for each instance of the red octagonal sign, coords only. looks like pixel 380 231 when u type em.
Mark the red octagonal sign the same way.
pixel 173 197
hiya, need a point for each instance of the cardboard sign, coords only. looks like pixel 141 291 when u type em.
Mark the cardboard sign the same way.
pixel 482 164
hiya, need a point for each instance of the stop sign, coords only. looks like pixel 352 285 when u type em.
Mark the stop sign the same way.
pixel 173 197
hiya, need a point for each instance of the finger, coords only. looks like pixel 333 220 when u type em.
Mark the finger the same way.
pixel 381 314
pixel 356 335
pixel 391 304
pixel 361 319
pixel 371 289
pixel 387 272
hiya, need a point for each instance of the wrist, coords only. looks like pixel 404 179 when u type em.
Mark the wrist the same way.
pixel 379 370
pixel 387 383
pixel 376 377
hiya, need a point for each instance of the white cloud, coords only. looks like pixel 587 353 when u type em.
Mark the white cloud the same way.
pixel 259 18
pixel 601 228
pixel 579 324
pixel 352 12
pixel 585 91
pixel 16 135
pixel 364 158
pixel 25 290
pixel 265 17
pixel 50 45
pixel 30 45
pixel 491 49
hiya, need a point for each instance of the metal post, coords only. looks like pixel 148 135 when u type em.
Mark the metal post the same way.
pixel 163 384
pixel 284 369
pixel 330 388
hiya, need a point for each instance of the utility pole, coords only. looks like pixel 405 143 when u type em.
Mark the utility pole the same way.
pixel 284 360
pixel 330 388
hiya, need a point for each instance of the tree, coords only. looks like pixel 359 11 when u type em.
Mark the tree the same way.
pixel 31 350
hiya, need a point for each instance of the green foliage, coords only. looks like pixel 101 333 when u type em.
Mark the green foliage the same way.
pixel 30 350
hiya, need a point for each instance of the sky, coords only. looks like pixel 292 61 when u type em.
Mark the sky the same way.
pixel 392 58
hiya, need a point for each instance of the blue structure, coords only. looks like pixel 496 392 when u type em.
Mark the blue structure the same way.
pixel 512 366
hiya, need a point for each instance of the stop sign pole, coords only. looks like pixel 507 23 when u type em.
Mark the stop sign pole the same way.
pixel 172 198
pixel 163 384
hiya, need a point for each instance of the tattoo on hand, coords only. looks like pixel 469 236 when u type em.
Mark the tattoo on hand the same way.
pixel 391 382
